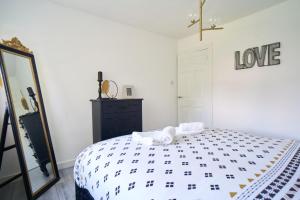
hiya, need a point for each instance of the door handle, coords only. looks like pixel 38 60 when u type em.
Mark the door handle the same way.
pixel 179 97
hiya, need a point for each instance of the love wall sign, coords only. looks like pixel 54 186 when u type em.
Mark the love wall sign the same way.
pixel 267 55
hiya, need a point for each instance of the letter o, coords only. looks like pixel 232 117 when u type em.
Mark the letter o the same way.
pixel 249 63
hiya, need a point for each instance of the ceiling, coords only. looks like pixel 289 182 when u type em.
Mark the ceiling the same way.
pixel 167 17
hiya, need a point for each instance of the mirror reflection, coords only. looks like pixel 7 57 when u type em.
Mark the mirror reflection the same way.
pixel 28 116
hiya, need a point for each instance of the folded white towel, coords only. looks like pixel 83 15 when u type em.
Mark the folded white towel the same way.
pixel 165 136
pixel 190 128
pixel 143 138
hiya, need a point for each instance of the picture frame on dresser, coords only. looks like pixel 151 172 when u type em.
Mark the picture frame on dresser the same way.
pixel 128 92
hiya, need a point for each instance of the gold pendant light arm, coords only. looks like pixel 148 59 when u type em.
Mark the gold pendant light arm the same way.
pixel 201 17
pixel 200 21
pixel 193 22
pixel 212 29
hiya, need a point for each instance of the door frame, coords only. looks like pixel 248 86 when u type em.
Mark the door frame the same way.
pixel 200 46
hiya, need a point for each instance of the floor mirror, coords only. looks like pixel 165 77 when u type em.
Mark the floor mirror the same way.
pixel 28 118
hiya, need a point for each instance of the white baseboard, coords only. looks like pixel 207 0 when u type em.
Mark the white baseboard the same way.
pixel 65 164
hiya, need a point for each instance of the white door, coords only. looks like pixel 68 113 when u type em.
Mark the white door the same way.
pixel 194 86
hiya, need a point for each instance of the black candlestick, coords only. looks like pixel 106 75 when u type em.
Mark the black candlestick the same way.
pixel 99 76
pixel 32 95
pixel 100 82
pixel 30 92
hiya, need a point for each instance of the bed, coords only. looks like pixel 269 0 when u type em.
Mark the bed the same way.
pixel 214 164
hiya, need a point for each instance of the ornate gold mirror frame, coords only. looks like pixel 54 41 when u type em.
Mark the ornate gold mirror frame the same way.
pixel 15 43
pixel 15 46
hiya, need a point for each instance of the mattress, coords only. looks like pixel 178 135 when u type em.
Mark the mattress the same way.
pixel 214 164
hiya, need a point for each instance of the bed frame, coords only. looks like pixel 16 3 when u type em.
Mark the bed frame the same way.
pixel 82 194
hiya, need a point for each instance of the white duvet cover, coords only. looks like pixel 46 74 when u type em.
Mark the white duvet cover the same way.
pixel 212 165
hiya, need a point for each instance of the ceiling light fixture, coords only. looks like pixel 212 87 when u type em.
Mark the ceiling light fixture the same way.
pixel 213 27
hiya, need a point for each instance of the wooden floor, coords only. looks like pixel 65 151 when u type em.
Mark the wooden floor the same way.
pixel 63 190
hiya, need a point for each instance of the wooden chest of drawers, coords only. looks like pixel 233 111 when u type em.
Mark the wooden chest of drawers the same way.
pixel 112 118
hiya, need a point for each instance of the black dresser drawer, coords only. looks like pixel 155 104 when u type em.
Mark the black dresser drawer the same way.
pixel 114 106
pixel 112 118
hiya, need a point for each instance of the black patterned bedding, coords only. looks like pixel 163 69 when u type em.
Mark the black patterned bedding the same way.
pixel 214 164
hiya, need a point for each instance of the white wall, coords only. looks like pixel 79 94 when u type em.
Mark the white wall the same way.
pixel 262 100
pixel 70 47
